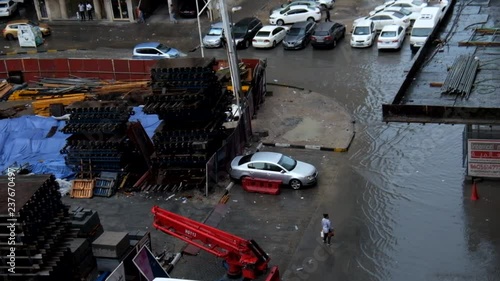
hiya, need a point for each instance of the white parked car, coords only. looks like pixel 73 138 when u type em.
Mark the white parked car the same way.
pixel 411 5
pixel 363 34
pixel 386 18
pixel 295 14
pixel 269 36
pixel 324 4
pixel 413 16
pixel 7 8
pixel 391 37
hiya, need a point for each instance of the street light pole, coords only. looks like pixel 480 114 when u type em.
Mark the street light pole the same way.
pixel 231 53
pixel 199 27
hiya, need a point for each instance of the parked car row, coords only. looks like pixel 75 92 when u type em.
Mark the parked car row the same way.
pixel 392 20
pixel 251 31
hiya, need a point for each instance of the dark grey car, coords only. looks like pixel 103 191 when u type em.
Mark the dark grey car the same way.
pixel 244 31
pixel 327 34
pixel 299 35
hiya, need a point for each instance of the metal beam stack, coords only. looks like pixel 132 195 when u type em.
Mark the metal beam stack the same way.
pixel 461 76
pixel 99 136
pixel 42 229
pixel 192 103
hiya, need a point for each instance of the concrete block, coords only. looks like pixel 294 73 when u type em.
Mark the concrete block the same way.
pixel 111 244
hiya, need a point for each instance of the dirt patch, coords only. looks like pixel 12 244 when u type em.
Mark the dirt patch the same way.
pixel 302 117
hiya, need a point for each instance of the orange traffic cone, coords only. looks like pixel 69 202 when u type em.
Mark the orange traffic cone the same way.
pixel 474 196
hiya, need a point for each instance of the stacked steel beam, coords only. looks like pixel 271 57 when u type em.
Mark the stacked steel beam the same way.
pixel 192 103
pixel 99 136
pixel 37 244
pixel 461 76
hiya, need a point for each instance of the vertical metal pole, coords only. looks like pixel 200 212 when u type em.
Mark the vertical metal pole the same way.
pixel 231 52
pixel 199 28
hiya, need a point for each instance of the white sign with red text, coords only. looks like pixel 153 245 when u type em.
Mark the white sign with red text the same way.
pixel 484 158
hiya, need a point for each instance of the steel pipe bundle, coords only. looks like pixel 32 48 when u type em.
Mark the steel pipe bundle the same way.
pixel 460 78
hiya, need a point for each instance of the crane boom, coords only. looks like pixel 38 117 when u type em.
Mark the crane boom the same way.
pixel 244 257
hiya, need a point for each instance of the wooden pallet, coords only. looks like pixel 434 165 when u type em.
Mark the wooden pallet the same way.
pixel 82 188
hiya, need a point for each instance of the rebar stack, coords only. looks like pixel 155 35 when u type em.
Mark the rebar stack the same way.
pixel 192 104
pixel 460 77
pixel 99 136
pixel 42 228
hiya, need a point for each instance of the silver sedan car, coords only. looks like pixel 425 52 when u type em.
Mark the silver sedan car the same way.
pixel 274 166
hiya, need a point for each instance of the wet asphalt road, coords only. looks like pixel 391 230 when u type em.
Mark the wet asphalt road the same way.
pixel 400 206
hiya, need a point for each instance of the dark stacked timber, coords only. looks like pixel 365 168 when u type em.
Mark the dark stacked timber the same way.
pixel 39 239
pixel 189 98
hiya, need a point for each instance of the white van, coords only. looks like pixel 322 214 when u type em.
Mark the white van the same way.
pixel 363 34
pixel 423 26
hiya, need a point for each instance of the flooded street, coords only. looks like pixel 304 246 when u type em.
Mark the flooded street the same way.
pixel 412 217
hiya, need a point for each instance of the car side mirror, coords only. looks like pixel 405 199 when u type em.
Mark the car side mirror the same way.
pixel 283 171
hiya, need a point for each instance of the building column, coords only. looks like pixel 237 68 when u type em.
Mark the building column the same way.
pixel 49 7
pixel 130 10
pixel 64 10
pixel 97 10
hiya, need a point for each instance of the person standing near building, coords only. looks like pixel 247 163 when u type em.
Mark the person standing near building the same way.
pixel 89 11
pixel 140 15
pixel 326 226
pixel 81 10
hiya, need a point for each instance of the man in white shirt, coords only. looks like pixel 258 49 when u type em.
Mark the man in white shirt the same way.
pixel 81 10
pixel 326 225
pixel 89 11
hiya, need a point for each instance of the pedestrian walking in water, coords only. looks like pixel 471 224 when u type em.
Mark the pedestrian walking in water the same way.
pixel 326 226
pixel 81 10
pixel 327 11
pixel 89 11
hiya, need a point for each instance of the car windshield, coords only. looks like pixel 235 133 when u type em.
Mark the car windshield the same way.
pixel 239 30
pixel 398 14
pixel 287 163
pixel 263 34
pixel 163 48
pixel 417 2
pixel 215 31
pixel 3 5
pixel 32 23
pixel 245 159
pixel 421 32
pixel 295 31
pixel 388 34
pixel 405 11
pixel 361 30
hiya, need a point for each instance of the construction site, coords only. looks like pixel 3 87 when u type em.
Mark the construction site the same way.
pixel 117 169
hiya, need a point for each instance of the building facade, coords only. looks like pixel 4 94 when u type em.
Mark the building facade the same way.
pixel 109 10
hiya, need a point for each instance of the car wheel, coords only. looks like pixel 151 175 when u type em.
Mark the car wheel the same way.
pixel 9 37
pixel 311 19
pixel 334 42
pixel 247 44
pixel 280 22
pixel 295 184
pixel 343 34
pixel 274 44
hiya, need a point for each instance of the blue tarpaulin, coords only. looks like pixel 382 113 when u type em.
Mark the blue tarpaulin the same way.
pixel 25 140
